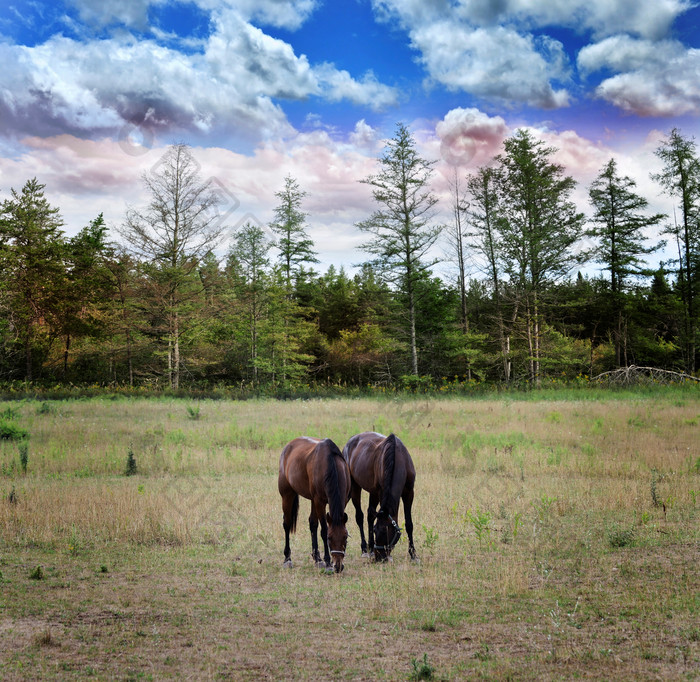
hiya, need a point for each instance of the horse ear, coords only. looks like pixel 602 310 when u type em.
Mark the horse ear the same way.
pixel 345 518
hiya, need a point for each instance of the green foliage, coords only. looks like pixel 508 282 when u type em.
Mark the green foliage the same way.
pixel 9 431
pixel 23 456
pixel 431 537
pixel 422 669
pixel 481 522
pixel 131 468
pixel 37 574
pixel 194 412
pixel 621 537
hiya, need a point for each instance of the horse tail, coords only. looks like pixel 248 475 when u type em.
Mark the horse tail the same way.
pixel 389 461
pixel 332 482
pixel 295 515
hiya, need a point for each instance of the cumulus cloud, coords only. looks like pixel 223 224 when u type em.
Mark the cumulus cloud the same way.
pixel 231 86
pixel 654 78
pixel 501 49
pixel 496 62
pixel 470 137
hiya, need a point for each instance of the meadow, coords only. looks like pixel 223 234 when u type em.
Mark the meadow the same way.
pixel 558 539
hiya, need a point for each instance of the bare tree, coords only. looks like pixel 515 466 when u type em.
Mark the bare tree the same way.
pixel 170 236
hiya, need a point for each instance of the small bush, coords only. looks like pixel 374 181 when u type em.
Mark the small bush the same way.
pixel 37 574
pixel 24 456
pixel 131 468
pixel 422 670
pixel 194 413
pixel 620 537
pixel 9 431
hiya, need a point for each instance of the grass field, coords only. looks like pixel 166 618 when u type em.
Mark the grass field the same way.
pixel 557 539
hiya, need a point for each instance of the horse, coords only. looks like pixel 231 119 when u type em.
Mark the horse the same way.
pixel 382 466
pixel 316 470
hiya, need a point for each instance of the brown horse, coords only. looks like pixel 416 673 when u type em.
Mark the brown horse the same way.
pixel 382 466
pixel 316 470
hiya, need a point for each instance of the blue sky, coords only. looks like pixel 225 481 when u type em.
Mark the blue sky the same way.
pixel 91 93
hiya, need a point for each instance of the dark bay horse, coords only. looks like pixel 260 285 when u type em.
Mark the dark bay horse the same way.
pixel 316 470
pixel 382 466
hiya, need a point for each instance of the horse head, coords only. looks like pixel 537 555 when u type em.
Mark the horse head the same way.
pixel 337 541
pixel 386 534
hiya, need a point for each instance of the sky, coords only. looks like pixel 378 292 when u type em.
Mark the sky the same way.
pixel 92 94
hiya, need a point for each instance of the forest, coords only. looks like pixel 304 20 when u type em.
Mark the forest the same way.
pixel 157 306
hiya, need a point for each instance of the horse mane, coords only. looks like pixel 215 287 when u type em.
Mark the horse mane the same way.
pixel 336 505
pixel 389 455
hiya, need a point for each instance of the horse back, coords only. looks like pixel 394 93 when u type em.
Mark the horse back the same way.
pixel 296 462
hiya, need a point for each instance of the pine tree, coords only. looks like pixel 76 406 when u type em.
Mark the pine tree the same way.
pixel 294 244
pixel 401 228
pixel 538 227
pixel 32 261
pixel 618 223
pixel 680 178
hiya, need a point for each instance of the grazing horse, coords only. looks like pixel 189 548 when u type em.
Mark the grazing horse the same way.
pixel 316 470
pixel 382 466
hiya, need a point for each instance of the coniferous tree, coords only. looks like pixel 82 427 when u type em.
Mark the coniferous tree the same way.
pixel 538 227
pixel 294 244
pixel 618 224
pixel 32 260
pixel 401 228
pixel 680 178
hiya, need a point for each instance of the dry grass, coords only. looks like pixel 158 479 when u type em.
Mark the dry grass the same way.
pixel 557 540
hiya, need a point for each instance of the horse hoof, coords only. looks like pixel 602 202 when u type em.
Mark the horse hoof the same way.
pixel 321 564
pixel 365 555
pixel 287 564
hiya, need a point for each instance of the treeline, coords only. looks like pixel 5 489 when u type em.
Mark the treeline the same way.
pixel 156 307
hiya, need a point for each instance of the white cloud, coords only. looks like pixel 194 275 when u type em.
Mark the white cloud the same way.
pixel 493 62
pixel 468 137
pixel 654 78
pixel 500 49
pixel 230 87
pixel 340 85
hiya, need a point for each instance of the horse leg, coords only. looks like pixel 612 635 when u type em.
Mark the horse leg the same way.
pixel 324 537
pixel 371 518
pixel 290 504
pixel 356 494
pixel 313 527
pixel 407 497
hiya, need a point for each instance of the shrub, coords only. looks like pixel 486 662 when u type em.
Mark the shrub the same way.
pixel 9 431
pixel 131 468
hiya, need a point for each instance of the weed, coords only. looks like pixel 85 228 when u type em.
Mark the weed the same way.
pixel 10 431
pixel 23 456
pixel 620 537
pixel 46 408
pixel 431 537
pixel 131 468
pixel 422 670
pixel 481 522
pixel 654 493
pixel 12 497
pixel 9 413
pixel 193 412
pixel 482 653
pixel 45 638
pixel 543 507
pixel 37 574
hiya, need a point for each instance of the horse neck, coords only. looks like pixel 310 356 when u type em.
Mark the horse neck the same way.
pixel 332 485
pixel 388 501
